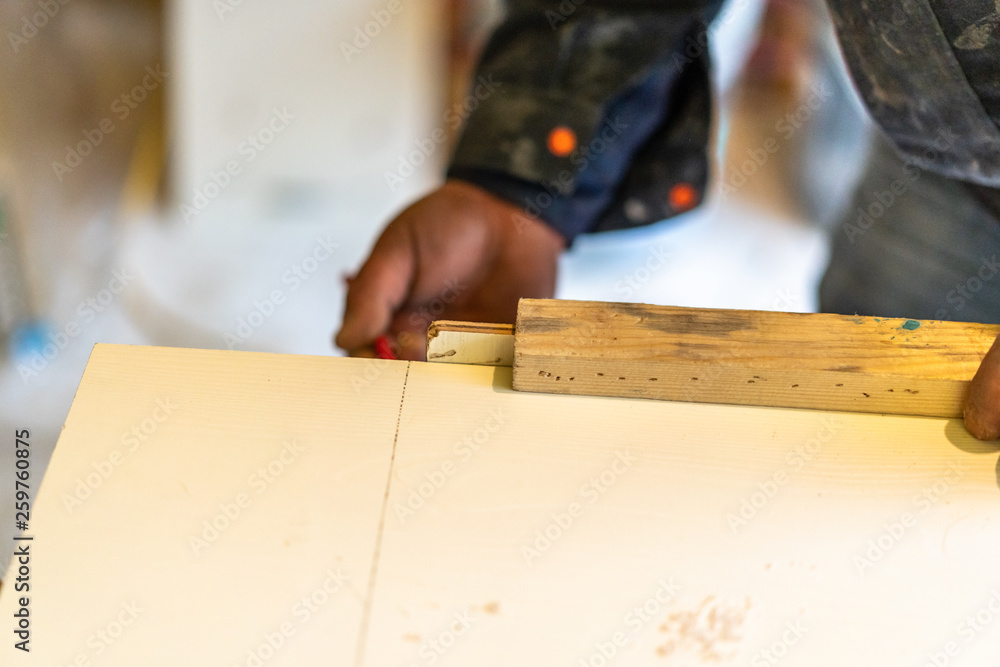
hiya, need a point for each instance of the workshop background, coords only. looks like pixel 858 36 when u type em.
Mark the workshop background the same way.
pixel 204 174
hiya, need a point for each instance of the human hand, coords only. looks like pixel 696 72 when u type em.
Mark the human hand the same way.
pixel 982 405
pixel 461 253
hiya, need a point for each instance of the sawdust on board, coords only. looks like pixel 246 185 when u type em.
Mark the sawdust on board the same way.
pixel 711 632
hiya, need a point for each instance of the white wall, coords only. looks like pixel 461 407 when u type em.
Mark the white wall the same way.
pixel 235 61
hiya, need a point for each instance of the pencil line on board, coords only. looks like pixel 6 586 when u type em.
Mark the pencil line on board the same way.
pixel 370 596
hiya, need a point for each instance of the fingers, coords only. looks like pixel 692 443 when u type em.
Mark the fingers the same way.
pixel 452 255
pixel 982 405
pixel 410 345
pixel 378 291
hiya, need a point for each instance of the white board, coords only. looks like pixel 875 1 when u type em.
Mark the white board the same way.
pixel 863 539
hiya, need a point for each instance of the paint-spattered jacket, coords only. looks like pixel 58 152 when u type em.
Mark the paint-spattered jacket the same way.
pixel 603 112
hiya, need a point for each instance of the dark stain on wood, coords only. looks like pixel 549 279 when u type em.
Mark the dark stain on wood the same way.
pixel 682 322
pixel 543 325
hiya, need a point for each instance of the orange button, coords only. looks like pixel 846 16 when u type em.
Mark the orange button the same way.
pixel 562 141
pixel 683 197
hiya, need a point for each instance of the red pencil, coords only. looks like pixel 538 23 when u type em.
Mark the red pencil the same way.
pixel 383 350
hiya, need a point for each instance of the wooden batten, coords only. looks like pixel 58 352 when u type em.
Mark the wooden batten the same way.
pixel 819 361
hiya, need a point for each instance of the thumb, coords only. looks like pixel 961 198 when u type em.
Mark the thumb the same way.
pixel 982 405
pixel 378 291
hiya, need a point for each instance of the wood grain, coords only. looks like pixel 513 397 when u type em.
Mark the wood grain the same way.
pixel 546 520
pixel 453 342
pixel 535 524
pixel 207 520
pixel 829 362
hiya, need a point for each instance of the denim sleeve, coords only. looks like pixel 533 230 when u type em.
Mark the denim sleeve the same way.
pixel 587 96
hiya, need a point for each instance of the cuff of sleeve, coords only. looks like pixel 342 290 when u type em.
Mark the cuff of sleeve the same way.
pixel 495 139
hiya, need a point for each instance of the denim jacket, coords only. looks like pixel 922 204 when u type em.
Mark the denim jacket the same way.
pixel 603 112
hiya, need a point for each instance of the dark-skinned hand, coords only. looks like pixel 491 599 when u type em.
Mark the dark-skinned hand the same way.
pixel 460 253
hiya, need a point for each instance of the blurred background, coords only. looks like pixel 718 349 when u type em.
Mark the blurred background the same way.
pixel 204 174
